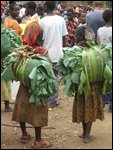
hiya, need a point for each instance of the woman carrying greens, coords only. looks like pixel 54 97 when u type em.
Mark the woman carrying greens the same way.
pixel 87 110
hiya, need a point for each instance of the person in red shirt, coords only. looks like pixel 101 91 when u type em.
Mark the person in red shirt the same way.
pixel 71 26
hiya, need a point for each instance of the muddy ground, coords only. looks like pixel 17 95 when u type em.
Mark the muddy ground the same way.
pixel 60 130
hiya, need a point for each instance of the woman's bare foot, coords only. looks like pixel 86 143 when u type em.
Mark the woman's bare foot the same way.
pixel 81 135
pixel 89 139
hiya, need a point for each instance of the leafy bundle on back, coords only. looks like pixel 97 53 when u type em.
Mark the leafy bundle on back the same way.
pixel 82 66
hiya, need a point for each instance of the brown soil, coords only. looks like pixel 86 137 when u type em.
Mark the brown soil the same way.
pixel 60 130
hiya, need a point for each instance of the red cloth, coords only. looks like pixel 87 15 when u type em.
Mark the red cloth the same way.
pixel 32 31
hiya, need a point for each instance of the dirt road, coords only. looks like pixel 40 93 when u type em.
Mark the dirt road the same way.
pixel 61 131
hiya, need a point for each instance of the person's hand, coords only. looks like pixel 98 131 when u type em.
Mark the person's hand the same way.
pixel 40 50
pixel 21 54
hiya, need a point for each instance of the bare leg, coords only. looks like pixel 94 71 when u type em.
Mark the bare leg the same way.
pixel 88 137
pixel 23 128
pixel 37 134
pixel 25 137
pixel 84 130
pixel 7 108
pixel 39 143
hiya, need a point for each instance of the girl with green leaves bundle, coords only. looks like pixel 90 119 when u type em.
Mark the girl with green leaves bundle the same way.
pixel 84 75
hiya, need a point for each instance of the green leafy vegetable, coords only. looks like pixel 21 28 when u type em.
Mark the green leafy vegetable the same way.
pixel 9 41
pixel 35 72
pixel 82 66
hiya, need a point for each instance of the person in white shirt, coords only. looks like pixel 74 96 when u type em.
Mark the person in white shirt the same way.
pixel 54 29
pixel 54 32
pixel 104 34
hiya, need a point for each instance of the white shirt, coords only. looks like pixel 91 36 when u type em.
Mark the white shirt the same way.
pixel 104 35
pixel 54 28
pixel 59 7
pixel 22 12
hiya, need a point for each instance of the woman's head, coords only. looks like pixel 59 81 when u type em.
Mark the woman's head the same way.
pixel 80 34
pixel 30 8
pixel 83 33
pixel 14 9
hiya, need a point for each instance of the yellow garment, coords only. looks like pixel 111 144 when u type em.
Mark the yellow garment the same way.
pixel 6 90
pixel 27 22
pixel 12 24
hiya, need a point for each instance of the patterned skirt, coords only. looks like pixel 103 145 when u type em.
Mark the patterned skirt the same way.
pixel 28 112
pixel 90 109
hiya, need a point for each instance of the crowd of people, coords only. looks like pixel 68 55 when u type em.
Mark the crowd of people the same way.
pixel 53 27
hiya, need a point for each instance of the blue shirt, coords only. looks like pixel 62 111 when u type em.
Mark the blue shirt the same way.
pixel 94 20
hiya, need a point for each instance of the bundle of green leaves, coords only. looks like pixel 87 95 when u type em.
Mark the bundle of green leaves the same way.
pixel 35 72
pixel 82 66
pixel 9 41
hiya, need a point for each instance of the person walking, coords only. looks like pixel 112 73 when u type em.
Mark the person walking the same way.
pixel 54 32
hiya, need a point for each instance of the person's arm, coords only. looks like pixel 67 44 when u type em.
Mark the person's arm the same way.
pixel 89 20
pixel 98 36
pixel 40 39
pixel 64 41
pixel 64 33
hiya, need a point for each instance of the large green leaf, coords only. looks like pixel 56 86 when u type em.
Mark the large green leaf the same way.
pixel 5 46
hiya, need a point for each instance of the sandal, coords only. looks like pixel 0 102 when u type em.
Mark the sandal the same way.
pixel 25 138
pixel 46 143
pixel 41 144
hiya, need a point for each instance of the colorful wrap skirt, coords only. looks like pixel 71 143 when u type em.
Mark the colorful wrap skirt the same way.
pixel 90 109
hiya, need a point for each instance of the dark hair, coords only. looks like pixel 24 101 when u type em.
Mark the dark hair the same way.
pixel 12 4
pixel 70 10
pixel 80 31
pixel 85 32
pixel 32 5
pixel 107 15
pixel 50 4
